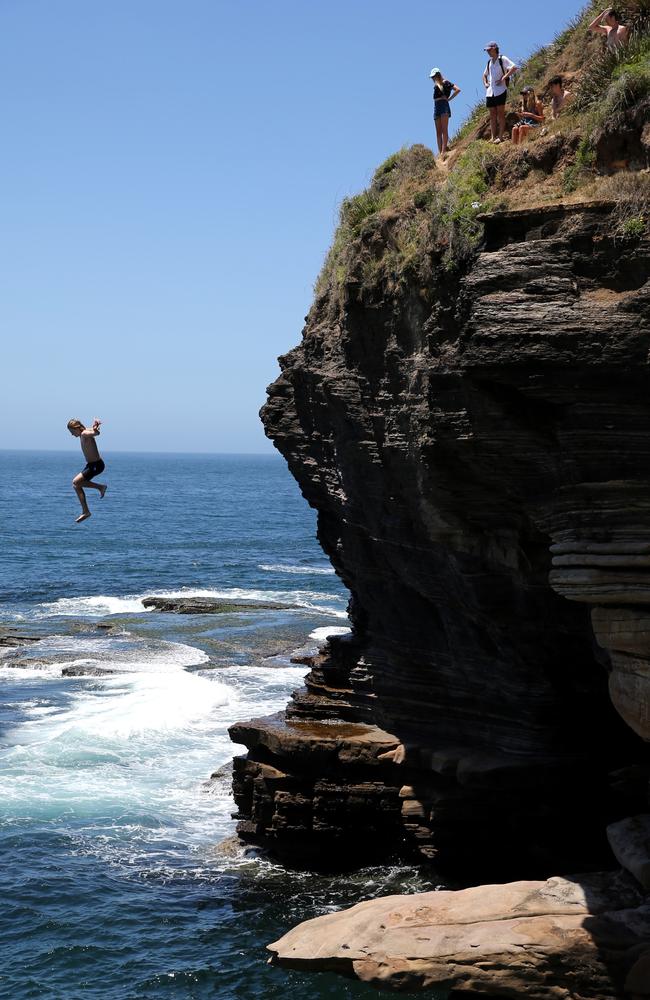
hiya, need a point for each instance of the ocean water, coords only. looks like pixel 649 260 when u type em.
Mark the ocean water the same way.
pixel 112 883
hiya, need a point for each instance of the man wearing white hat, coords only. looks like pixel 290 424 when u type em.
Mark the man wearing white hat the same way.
pixel 495 80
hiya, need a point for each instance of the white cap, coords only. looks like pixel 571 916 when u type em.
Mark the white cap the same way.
pixel 434 72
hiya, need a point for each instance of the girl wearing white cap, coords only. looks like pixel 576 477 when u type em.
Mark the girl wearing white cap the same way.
pixel 443 93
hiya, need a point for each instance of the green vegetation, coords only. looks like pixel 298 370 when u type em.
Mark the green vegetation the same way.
pixel 614 81
pixel 418 218
pixel 631 193
pixel 634 227
pixel 577 172
pixel 461 200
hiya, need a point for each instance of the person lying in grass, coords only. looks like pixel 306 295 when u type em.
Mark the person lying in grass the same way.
pixel 531 115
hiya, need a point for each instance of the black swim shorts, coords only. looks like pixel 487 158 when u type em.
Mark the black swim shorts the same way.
pixel 494 102
pixel 93 469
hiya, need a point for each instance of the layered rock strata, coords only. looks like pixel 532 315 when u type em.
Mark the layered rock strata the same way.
pixel 477 447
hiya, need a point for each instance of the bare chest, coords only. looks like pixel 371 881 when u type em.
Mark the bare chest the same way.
pixel 89 449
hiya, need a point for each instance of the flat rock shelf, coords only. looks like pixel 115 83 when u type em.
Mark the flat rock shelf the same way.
pixel 207 606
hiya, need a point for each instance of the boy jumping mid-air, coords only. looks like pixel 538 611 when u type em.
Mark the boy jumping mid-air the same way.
pixel 94 465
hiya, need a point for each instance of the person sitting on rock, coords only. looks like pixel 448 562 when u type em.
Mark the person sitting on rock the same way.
pixel 443 93
pixel 496 76
pixel 609 24
pixel 559 96
pixel 531 115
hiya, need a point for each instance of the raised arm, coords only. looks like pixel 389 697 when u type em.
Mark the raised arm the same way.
pixel 94 430
pixel 596 26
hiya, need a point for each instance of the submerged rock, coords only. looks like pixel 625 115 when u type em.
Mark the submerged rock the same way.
pixel 11 640
pixel 86 670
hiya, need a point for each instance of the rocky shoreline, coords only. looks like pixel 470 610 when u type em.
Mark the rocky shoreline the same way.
pixel 481 478
pixel 474 434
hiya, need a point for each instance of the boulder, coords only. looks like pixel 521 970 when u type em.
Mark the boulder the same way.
pixel 630 842
pixel 565 937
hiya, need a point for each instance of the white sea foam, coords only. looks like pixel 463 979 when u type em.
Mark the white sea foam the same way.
pixel 90 607
pixel 99 606
pixel 320 634
pixel 298 570
pixel 130 752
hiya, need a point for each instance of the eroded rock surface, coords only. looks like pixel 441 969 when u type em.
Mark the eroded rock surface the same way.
pixel 543 940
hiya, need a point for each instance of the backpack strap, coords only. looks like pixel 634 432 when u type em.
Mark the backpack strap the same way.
pixel 503 72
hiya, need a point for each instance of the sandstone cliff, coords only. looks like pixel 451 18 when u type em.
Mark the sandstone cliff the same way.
pixel 469 413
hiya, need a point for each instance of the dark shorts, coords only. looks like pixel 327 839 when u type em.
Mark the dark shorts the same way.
pixel 441 108
pixel 495 102
pixel 93 469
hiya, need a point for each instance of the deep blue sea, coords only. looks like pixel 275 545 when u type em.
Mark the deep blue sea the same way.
pixel 112 883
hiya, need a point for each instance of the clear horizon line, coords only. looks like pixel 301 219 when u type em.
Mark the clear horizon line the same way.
pixel 136 451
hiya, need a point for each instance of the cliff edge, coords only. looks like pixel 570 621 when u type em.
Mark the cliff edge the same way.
pixel 468 412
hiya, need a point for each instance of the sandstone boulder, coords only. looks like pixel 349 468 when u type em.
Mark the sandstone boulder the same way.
pixel 543 940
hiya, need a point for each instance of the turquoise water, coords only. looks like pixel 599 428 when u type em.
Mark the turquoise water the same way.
pixel 113 884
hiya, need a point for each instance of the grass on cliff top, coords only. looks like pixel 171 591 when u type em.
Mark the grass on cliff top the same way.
pixel 416 216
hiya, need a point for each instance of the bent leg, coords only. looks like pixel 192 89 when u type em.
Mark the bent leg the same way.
pixel 515 135
pixel 94 486
pixel 78 484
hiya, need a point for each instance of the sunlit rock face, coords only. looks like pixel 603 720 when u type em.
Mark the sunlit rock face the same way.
pixel 478 450
pixel 540 940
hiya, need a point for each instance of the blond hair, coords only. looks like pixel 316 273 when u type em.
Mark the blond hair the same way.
pixel 529 101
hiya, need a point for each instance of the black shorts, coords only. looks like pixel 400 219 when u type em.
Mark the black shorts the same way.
pixel 93 469
pixel 495 102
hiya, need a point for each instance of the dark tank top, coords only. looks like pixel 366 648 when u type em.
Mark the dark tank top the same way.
pixel 442 93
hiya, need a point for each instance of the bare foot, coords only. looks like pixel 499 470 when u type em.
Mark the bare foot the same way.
pixel 82 517
pixel 102 490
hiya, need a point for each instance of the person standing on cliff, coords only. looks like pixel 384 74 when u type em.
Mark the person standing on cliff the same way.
pixel 443 92
pixel 609 24
pixel 496 79
pixel 94 464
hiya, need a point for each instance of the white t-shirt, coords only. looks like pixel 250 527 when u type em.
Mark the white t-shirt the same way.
pixel 496 86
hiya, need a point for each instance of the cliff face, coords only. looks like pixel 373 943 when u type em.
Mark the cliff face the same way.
pixel 477 446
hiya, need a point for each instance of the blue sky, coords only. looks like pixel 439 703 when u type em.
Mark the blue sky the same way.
pixel 170 177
